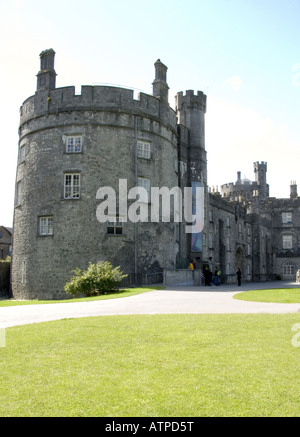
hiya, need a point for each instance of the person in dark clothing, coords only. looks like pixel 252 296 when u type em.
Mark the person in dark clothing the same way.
pixel 206 276
pixel 239 276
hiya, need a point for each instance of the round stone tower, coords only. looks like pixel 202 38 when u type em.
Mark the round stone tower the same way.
pixel 69 147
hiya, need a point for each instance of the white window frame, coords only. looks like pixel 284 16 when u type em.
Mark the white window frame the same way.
pixel 71 185
pixel 74 144
pixel 144 149
pixel 46 225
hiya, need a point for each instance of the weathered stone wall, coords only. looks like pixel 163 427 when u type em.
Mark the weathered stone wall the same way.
pixel 110 122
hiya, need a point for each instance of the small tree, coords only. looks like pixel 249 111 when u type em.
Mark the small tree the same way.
pixel 98 279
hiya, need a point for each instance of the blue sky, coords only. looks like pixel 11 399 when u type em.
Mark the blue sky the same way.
pixel 244 54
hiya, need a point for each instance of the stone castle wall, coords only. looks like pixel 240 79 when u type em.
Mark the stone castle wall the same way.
pixel 110 122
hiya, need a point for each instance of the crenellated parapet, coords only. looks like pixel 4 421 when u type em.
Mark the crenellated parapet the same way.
pixel 190 100
pixel 95 98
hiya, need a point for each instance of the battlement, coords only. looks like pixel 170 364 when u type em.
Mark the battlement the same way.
pixel 260 165
pixel 191 100
pixel 237 186
pixel 94 98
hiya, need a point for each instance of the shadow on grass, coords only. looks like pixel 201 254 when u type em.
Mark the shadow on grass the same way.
pixel 111 295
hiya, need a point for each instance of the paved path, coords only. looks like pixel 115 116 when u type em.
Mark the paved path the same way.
pixel 172 300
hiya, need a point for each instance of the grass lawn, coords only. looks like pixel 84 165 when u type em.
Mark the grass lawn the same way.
pixel 113 295
pixel 152 366
pixel 276 295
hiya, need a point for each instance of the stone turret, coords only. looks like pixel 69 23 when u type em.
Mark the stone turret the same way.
pixel 260 170
pixel 191 109
pixel 70 145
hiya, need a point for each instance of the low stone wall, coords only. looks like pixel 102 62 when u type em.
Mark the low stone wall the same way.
pixel 183 277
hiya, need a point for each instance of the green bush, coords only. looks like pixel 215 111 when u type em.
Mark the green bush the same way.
pixel 98 279
pixel 6 260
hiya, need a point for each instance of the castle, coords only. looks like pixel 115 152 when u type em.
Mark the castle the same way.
pixel 70 145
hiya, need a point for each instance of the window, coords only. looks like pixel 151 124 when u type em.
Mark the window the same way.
pixel 289 268
pixel 46 226
pixel 145 183
pixel 74 144
pixel 287 242
pixel 72 186
pixel 115 227
pixel 144 149
pixel 22 153
pixel 19 193
pixel 228 244
pixel 286 217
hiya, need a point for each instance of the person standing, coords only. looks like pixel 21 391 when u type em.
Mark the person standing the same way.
pixel 239 276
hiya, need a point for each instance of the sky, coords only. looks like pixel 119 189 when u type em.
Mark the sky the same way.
pixel 243 54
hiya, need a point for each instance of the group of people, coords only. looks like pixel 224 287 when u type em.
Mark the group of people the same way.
pixel 210 278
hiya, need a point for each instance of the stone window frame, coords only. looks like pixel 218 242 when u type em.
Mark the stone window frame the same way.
pixel 45 229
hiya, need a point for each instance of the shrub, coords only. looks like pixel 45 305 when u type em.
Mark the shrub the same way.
pixel 98 279
pixel 6 260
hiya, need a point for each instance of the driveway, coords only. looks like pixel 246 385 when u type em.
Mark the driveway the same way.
pixel 172 300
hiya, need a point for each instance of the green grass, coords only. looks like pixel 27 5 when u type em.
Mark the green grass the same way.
pixel 113 295
pixel 152 366
pixel 277 295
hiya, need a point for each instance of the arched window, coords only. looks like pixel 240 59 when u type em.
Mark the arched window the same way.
pixel 289 268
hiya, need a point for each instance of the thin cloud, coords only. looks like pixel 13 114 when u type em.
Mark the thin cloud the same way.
pixel 235 82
